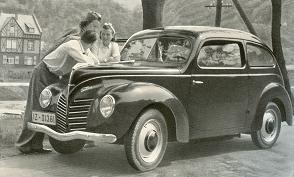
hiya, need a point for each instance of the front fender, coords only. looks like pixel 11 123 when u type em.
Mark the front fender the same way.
pixel 275 93
pixel 131 99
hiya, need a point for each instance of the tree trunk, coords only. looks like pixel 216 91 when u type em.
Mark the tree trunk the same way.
pixel 276 42
pixel 244 17
pixel 152 13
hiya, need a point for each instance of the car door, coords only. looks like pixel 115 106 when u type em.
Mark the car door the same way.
pixel 219 89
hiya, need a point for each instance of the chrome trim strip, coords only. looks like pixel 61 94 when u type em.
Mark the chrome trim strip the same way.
pixel 61 127
pixel 82 100
pixel 63 123
pixel 75 129
pixel 223 75
pixel 142 75
pixel 61 115
pixel 74 118
pixel 62 106
pixel 80 106
pixel 78 123
pixel 77 112
pixel 96 137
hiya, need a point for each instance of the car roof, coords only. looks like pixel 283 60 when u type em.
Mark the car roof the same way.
pixel 203 31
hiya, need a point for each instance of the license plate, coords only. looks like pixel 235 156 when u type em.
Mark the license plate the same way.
pixel 44 118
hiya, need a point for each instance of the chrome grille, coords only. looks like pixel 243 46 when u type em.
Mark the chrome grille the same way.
pixel 61 114
pixel 77 114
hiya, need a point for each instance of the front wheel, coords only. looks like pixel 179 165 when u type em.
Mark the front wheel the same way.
pixel 146 141
pixel 66 147
pixel 269 132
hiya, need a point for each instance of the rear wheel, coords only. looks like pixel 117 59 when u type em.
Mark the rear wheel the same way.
pixel 146 141
pixel 269 132
pixel 66 147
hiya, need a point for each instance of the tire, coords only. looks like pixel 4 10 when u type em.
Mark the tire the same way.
pixel 66 147
pixel 146 141
pixel 269 132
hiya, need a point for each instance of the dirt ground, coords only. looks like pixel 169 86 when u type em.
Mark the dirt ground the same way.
pixel 236 157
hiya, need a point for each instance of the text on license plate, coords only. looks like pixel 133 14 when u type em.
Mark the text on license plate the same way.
pixel 44 118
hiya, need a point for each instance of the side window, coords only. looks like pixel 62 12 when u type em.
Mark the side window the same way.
pixel 172 50
pixel 258 56
pixel 138 50
pixel 220 54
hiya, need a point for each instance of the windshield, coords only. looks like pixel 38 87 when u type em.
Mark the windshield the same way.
pixel 158 52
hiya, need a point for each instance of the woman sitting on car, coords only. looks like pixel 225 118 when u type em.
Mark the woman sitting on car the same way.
pixel 106 50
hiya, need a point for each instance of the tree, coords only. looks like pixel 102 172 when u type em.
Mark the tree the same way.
pixel 244 17
pixel 152 13
pixel 276 43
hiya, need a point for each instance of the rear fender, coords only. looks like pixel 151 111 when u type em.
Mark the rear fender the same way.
pixel 273 93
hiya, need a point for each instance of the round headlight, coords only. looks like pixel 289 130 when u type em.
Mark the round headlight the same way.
pixel 45 98
pixel 107 104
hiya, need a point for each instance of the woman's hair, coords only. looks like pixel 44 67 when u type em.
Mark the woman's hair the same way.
pixel 91 16
pixel 89 36
pixel 107 26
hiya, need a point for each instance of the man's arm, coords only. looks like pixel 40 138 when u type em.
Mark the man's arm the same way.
pixel 74 50
pixel 93 57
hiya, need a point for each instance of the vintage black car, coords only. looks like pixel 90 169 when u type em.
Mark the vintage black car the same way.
pixel 173 84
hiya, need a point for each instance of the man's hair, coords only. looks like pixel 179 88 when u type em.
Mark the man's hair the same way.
pixel 89 36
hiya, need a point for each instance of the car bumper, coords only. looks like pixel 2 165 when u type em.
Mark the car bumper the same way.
pixel 96 137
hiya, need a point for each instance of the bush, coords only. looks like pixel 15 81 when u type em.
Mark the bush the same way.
pixel 13 93
pixel 10 128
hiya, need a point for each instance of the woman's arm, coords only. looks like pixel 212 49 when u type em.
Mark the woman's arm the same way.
pixel 115 54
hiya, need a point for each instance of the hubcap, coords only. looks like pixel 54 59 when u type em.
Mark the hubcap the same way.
pixel 150 141
pixel 269 126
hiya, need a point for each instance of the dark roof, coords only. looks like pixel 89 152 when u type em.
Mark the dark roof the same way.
pixel 204 32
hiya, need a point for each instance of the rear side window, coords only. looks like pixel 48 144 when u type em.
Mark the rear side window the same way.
pixel 258 56
pixel 223 54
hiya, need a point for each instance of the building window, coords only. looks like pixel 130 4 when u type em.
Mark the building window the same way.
pixel 30 45
pixel 30 28
pixel 35 60
pixel 12 30
pixel 28 60
pixel 11 44
pixel 10 60
pixel 16 60
pixel 5 61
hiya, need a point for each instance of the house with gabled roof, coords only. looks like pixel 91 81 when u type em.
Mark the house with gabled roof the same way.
pixel 20 46
pixel 20 40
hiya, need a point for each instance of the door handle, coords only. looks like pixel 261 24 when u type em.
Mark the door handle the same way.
pixel 197 82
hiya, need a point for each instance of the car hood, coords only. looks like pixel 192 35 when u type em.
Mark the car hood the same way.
pixel 85 73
